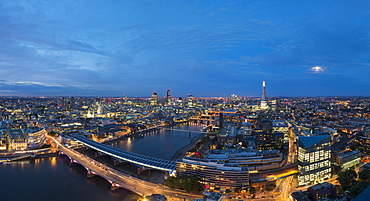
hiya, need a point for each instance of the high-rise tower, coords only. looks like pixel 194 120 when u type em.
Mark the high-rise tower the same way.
pixel 264 105
pixel 168 93
pixel 168 97
pixel 263 91
pixel 154 100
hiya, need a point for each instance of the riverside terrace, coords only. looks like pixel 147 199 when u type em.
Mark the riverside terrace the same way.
pixel 147 161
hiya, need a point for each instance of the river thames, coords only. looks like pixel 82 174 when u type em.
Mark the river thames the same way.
pixel 53 178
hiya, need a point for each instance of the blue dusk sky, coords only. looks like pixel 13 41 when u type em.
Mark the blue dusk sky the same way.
pixel 198 47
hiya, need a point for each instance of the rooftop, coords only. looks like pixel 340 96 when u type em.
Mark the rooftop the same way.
pixel 308 141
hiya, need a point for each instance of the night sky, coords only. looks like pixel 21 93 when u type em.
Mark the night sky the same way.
pixel 203 48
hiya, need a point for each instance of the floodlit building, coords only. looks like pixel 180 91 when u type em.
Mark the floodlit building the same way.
pixel 154 99
pixel 254 160
pixel 348 159
pixel 36 137
pixel 314 154
pixel 17 139
pixel 282 127
pixel 3 141
pixel 214 173
pixel 264 105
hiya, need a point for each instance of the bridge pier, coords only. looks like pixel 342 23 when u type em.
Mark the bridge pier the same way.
pixel 90 173
pixel 97 154
pixel 72 161
pixel 117 161
pixel 114 186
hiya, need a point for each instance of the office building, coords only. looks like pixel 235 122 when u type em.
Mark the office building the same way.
pixel 36 137
pixel 314 154
pixel 154 99
pixel 168 97
pixel 213 173
pixel 348 159
pixel 254 160
pixel 263 105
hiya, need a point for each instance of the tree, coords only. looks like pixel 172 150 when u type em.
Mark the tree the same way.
pixel 192 184
pixel 347 179
pixel 238 189
pixel 355 145
pixel 170 182
pixel 359 187
pixel 364 175
pixel 251 190
pixel 188 183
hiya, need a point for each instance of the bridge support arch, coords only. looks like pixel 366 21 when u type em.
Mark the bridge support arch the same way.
pixel 90 173
pixel 114 186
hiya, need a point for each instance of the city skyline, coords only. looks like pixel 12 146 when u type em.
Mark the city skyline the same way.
pixel 207 49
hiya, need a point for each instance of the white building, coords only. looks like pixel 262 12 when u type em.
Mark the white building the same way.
pixel 36 137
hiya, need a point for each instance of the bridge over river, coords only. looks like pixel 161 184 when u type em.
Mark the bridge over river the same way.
pixel 142 160
pixel 120 179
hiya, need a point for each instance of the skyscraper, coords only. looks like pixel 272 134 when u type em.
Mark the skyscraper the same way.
pixel 168 97
pixel 263 91
pixel 168 93
pixel 154 100
pixel 264 105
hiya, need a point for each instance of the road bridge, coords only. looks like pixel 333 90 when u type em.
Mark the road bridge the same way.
pixel 173 129
pixel 120 179
pixel 142 160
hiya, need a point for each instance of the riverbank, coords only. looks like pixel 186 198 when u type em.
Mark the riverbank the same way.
pixel 181 152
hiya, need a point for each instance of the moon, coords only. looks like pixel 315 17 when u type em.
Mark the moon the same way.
pixel 317 69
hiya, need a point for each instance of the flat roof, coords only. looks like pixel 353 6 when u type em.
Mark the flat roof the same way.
pixel 308 141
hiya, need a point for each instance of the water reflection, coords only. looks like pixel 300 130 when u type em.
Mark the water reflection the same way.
pixel 54 179
pixel 162 143
pixel 53 162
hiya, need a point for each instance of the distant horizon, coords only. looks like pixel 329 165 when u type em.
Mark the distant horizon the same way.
pixel 163 97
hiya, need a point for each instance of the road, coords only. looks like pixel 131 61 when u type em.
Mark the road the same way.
pixel 285 189
pixel 123 180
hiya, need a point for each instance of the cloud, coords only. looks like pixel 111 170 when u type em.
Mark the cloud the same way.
pixel 317 69
pixel 80 47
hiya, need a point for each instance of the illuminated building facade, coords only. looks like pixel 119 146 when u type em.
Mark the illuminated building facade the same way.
pixel 154 100
pixel 17 139
pixel 348 159
pixel 3 141
pixel 364 140
pixel 264 105
pixel 191 101
pixel 36 137
pixel 254 160
pixel 282 127
pixel 168 97
pixel 314 154
pixel 213 173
